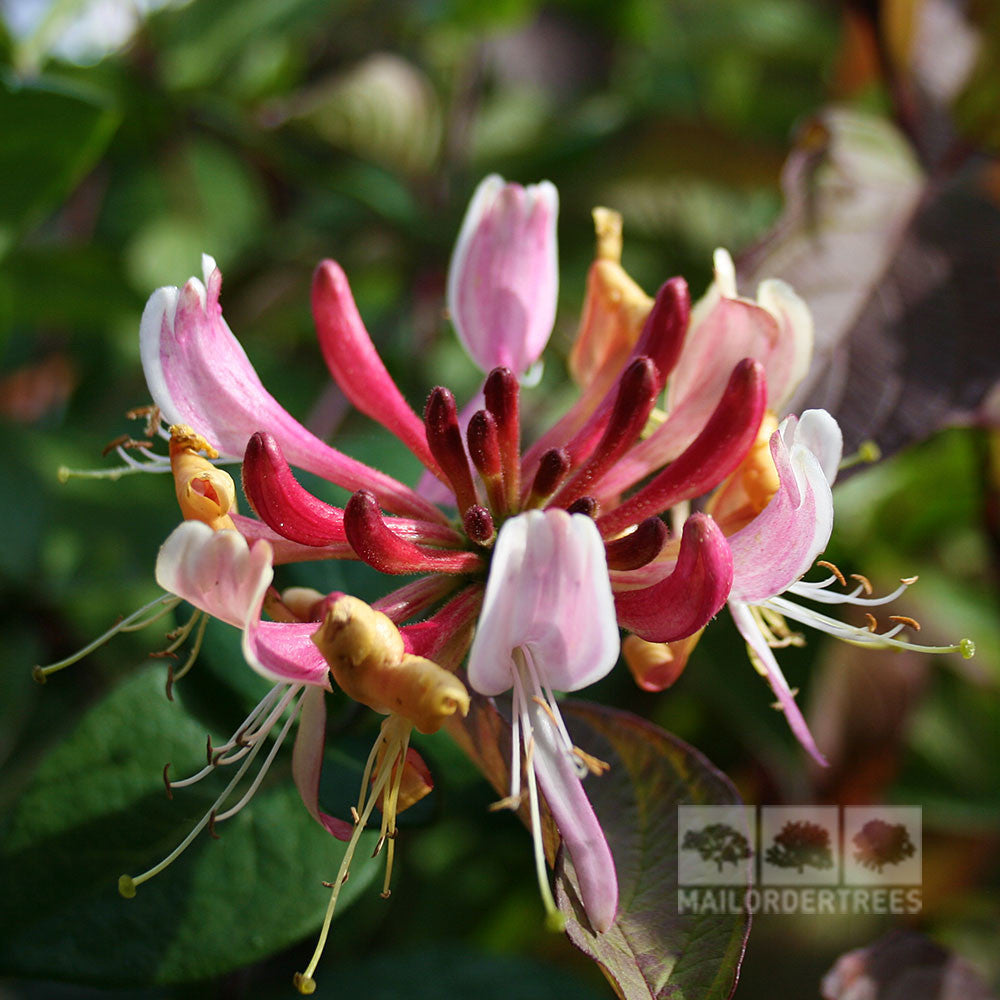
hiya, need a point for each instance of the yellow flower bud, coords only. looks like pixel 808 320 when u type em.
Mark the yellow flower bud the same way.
pixel 204 492
pixel 368 661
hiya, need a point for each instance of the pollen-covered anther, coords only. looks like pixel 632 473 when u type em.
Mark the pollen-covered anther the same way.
pixel 906 620
pixel 368 661
pixel 865 583
pixel 512 802
pixel 872 622
pixel 908 581
pixel 124 441
pixel 835 571
pixel 593 764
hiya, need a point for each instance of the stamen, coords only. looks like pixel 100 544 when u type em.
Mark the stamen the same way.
pixel 864 581
pixel 594 765
pixel 175 675
pixel 512 802
pixel 868 452
pixel 872 622
pixel 395 735
pixel 133 623
pixel 833 569
pixel 906 620
pixel 166 780
pixel 211 826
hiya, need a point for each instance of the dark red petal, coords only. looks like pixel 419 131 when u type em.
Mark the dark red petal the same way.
pixel 281 502
pixel 445 440
pixel 713 455
pixel 637 391
pixel 375 543
pixel 683 602
pixel 638 547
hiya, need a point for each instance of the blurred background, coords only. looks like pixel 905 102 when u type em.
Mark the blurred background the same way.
pixel 848 147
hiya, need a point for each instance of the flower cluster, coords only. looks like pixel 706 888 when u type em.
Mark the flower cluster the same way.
pixel 667 490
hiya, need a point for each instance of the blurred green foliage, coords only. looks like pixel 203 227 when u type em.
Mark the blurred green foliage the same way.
pixel 271 133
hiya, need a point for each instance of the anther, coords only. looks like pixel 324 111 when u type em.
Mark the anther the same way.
pixel 501 392
pixel 833 569
pixel 906 620
pixel 379 844
pixel 479 524
pixel 210 750
pixel 583 505
pixel 385 893
pixel 639 547
pixel 508 802
pixel 872 622
pixel 444 437
pixel 211 826
pixel 552 470
pixel 908 581
pixel 542 703
pixel 593 764
pixel 864 581
pixel 166 780
pixel 355 816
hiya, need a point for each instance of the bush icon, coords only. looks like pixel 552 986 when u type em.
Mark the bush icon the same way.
pixel 718 842
pixel 879 844
pixel 801 844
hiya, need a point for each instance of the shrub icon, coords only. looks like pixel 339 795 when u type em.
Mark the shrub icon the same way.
pixel 718 842
pixel 799 845
pixel 879 844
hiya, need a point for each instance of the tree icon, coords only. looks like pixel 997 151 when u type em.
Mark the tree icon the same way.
pixel 879 844
pixel 801 844
pixel 718 842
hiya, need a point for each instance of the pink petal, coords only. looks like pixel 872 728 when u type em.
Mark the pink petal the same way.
pixel 198 374
pixel 548 589
pixel 216 571
pixel 307 762
pixel 749 630
pixel 578 825
pixel 220 573
pixel 354 363
pixel 692 594
pixel 503 281
pixel 783 541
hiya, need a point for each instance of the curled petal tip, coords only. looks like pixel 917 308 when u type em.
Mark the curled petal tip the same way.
pixel 694 592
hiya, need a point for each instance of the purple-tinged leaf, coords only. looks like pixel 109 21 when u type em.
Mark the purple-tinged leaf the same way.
pixel 651 951
pixel 900 272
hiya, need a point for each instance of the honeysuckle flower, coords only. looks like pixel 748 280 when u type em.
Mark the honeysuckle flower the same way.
pixel 776 548
pixel 225 577
pixel 368 659
pixel 548 622
pixel 503 282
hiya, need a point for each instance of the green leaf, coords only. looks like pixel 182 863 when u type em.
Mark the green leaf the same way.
pixel 651 951
pixel 96 809
pixel 52 136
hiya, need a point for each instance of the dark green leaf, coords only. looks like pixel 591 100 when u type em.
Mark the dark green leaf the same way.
pixel 96 809
pixel 52 136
